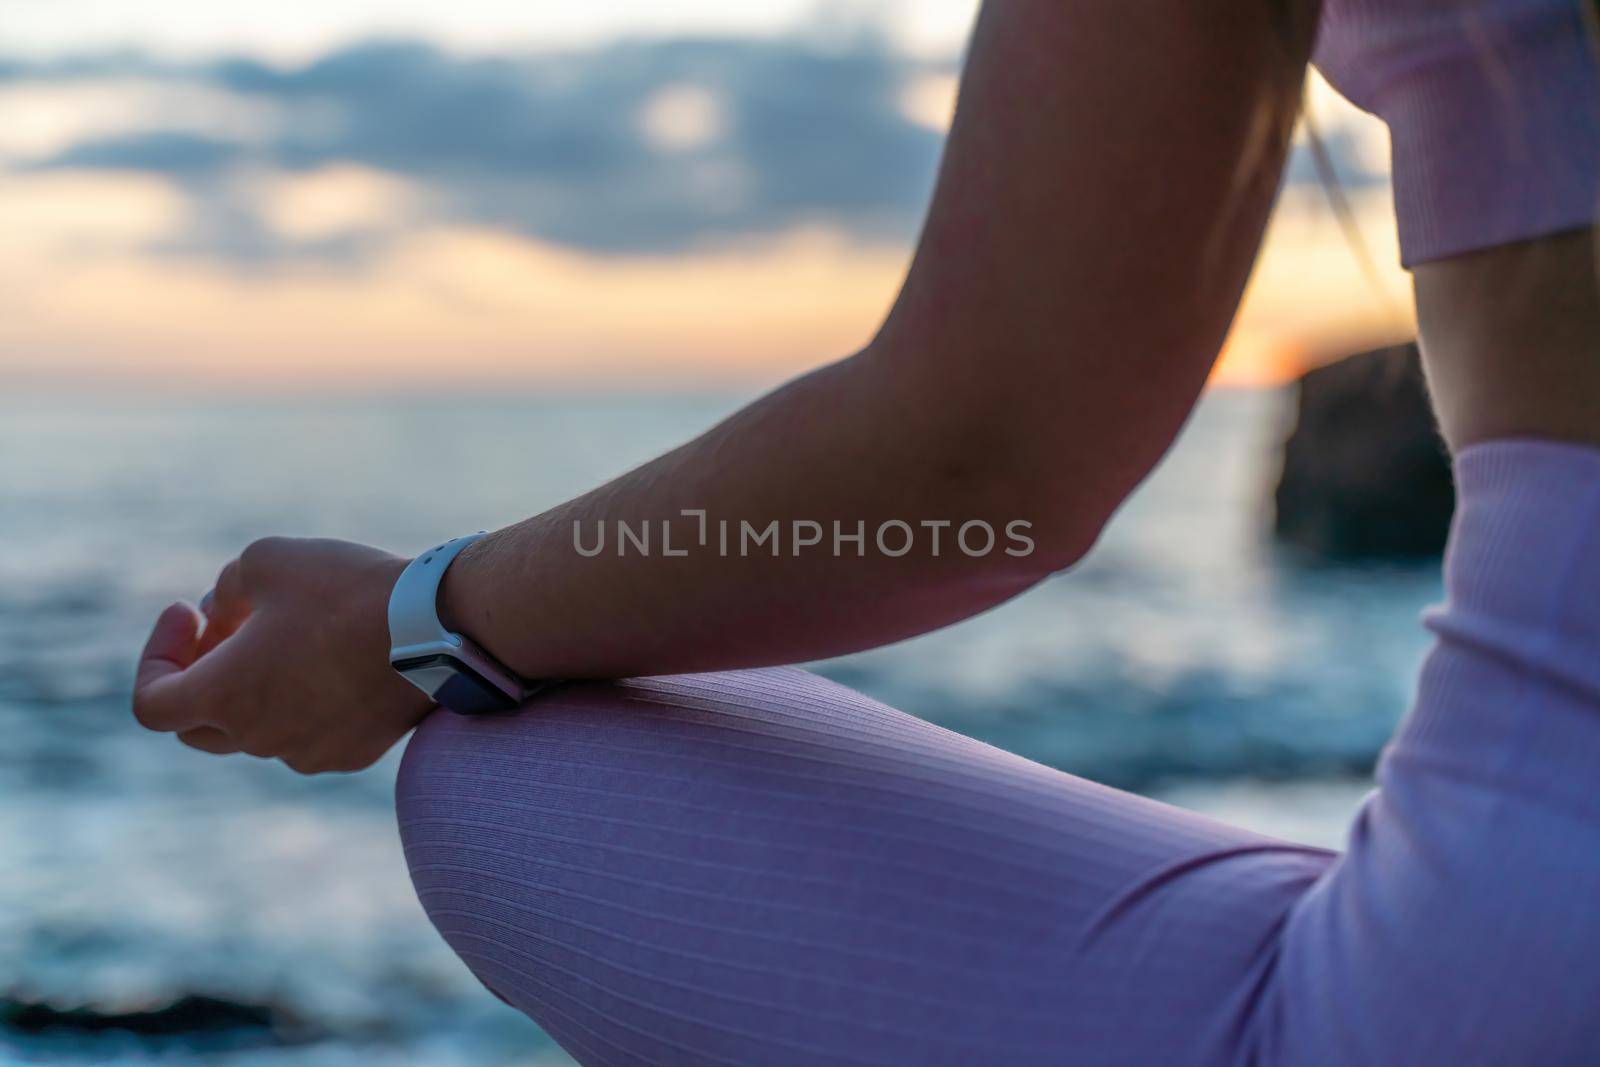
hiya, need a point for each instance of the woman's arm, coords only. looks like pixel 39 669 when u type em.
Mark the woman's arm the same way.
pixel 1494 125
pixel 1103 193
pixel 1511 340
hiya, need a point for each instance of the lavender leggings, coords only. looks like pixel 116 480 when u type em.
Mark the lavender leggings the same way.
pixel 763 868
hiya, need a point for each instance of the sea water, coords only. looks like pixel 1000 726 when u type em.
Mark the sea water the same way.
pixel 1186 657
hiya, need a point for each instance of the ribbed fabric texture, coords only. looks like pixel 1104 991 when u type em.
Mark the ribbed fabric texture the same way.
pixel 1493 111
pixel 764 868
pixel 1462 926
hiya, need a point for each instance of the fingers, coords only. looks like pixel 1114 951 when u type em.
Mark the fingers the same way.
pixel 183 681
pixel 171 646
pixel 225 607
pixel 209 739
pixel 242 583
pixel 176 690
pixel 170 649
pixel 289 663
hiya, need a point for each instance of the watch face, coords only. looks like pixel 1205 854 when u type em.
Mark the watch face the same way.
pixel 455 685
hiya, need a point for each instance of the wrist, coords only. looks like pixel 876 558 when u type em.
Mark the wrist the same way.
pixel 480 597
pixel 372 621
pixel 465 606
pixel 443 659
pixel 455 595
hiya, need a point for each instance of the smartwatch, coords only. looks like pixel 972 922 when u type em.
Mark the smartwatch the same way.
pixel 450 668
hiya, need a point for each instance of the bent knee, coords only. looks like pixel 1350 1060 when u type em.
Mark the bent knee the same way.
pixel 583 771
pixel 530 835
pixel 593 725
pixel 472 786
pixel 493 813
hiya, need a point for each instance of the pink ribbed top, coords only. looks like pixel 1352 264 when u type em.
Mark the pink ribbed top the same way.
pixel 1493 112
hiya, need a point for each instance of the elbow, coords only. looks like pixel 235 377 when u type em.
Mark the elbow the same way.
pixel 1045 537
pixel 1035 460
pixel 1013 509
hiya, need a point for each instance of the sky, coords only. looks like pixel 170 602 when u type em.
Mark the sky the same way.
pixel 328 195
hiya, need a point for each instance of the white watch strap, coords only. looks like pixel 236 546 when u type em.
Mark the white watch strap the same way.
pixel 414 603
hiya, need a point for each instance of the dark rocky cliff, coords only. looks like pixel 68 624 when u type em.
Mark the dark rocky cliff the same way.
pixel 1365 475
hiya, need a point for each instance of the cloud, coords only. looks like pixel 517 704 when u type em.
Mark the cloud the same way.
pixel 762 136
pixel 651 146
pixel 161 151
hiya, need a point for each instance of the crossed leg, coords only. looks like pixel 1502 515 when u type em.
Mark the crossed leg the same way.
pixel 763 867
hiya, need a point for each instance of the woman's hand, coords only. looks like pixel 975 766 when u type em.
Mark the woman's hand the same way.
pixel 291 660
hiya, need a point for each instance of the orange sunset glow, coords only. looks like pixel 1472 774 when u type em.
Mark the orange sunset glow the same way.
pixel 113 272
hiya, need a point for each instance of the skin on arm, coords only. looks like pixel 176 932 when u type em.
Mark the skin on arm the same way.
pixel 1511 340
pixel 1103 194
pixel 1106 182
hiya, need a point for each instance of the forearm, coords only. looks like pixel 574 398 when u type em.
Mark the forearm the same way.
pixel 726 576
pixel 1092 231
pixel 1087 246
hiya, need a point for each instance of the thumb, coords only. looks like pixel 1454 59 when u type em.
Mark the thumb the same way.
pixel 172 646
